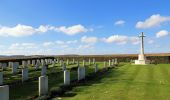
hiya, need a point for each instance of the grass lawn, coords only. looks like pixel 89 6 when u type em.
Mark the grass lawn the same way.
pixel 128 82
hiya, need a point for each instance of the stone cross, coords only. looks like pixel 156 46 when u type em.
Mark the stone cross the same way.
pixel 142 42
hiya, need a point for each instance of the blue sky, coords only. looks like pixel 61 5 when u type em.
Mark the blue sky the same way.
pixel 83 26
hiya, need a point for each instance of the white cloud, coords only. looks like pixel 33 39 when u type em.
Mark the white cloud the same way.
pixel 121 39
pixel 72 30
pixel 152 21
pixel 46 44
pixel 22 46
pixel 86 39
pixel 17 31
pixel 72 42
pixel 25 30
pixel 120 22
pixel 59 42
pixel 134 40
pixel 151 41
pixel 116 39
pixel 86 46
pixel 162 33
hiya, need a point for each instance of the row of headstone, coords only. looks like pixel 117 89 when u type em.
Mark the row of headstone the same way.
pixel 43 80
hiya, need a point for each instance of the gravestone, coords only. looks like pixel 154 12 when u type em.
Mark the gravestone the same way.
pixel 43 70
pixel 57 61
pixel 78 63
pixel 33 62
pixel 43 62
pixel 14 67
pixel 73 61
pixel 24 64
pixel 37 64
pixel 24 74
pixel 81 73
pixel 89 61
pixel 109 63
pixel 105 65
pixel 64 67
pixel 1 65
pixel 66 77
pixel 67 61
pixel 53 63
pixel 96 67
pixel 43 85
pixel 10 64
pixel 4 66
pixel 113 61
pixel 28 63
pixel 84 63
pixel 116 61
pixel 61 62
pixel 4 92
pixel 94 60
pixel 1 78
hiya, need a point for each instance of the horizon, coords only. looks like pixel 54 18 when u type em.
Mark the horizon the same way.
pixel 83 27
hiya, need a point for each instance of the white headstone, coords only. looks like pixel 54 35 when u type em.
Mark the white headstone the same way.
pixel 14 68
pixel 81 73
pixel 84 63
pixel 67 61
pixel 73 61
pixel 61 62
pixel 10 64
pixel 43 85
pixel 33 62
pixel 24 64
pixel 64 66
pixel 66 77
pixel 116 61
pixel 4 66
pixel 96 67
pixel 109 63
pixel 113 61
pixel 89 61
pixel 37 64
pixel 105 65
pixel 94 60
pixel 28 63
pixel 1 78
pixel 78 63
pixel 43 62
pixel 53 63
pixel 43 70
pixel 24 74
pixel 4 92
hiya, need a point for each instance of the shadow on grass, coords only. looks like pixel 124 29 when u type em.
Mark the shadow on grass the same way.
pixel 91 79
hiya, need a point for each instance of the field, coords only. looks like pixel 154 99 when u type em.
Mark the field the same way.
pixel 128 82
pixel 125 82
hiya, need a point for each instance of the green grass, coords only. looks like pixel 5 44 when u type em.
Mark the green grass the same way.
pixel 128 82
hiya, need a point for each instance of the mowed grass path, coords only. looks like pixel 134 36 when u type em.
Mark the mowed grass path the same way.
pixel 128 82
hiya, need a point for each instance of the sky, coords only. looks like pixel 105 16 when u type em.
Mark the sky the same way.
pixel 57 27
